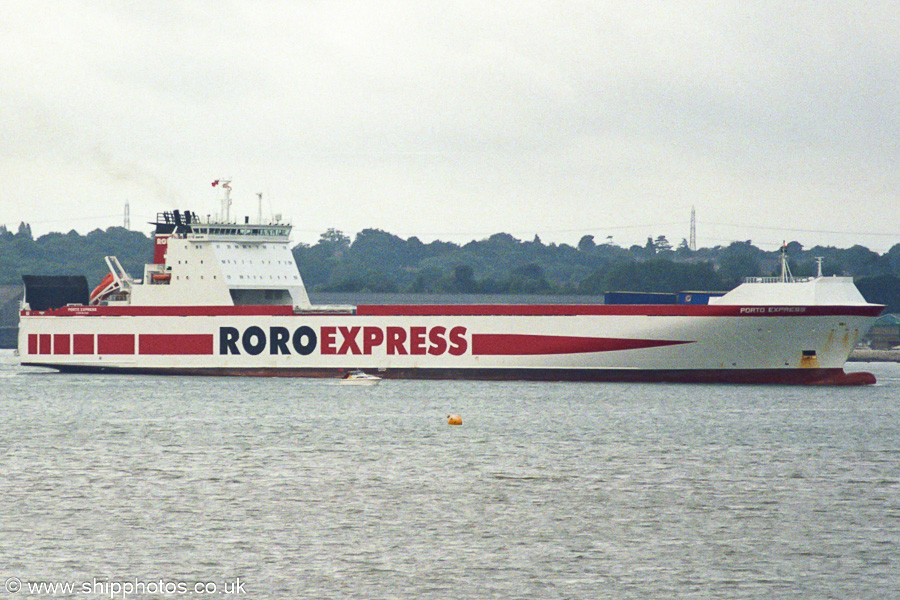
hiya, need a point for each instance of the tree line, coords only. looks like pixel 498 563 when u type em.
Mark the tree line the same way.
pixel 71 253
pixel 378 261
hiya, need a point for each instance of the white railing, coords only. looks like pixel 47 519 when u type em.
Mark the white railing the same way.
pixel 776 279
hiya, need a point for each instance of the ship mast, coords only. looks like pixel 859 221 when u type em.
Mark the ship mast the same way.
pixel 226 199
pixel 786 276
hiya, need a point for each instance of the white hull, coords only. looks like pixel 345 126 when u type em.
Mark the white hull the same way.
pixel 586 342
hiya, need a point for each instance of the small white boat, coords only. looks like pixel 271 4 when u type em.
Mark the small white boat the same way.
pixel 360 378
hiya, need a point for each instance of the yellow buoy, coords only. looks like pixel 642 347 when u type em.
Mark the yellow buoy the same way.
pixel 454 420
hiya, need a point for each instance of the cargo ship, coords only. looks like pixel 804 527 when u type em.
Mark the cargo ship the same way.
pixel 226 298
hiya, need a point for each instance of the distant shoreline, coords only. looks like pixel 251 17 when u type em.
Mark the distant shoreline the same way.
pixel 867 355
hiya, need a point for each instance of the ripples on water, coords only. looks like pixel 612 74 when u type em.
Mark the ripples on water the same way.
pixel 309 489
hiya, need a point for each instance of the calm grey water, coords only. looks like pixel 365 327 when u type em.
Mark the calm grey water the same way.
pixel 309 489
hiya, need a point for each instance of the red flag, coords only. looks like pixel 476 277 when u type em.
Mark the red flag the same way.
pixel 215 183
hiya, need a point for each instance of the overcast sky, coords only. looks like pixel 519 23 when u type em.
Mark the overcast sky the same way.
pixel 455 120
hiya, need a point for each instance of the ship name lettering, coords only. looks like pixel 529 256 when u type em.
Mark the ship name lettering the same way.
pixel 787 309
pixel 394 340
pixel 341 340
pixel 279 340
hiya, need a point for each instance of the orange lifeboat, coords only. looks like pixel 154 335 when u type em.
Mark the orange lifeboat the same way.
pixel 98 291
pixel 161 277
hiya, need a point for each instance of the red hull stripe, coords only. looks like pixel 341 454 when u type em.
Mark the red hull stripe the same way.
pixel 83 343
pixel 748 376
pixel 61 343
pixel 113 343
pixel 489 344
pixel 180 344
pixel 472 310
pixel 163 311
pixel 569 310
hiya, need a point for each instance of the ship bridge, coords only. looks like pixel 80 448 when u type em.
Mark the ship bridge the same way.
pixel 216 262
pixel 187 225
